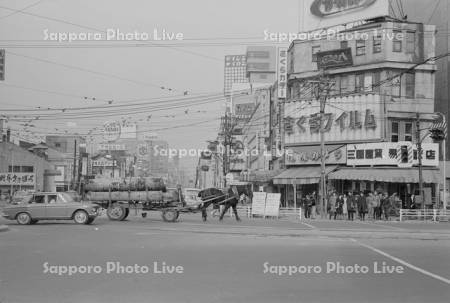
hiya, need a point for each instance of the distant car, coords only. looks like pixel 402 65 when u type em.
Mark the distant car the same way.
pixel 50 206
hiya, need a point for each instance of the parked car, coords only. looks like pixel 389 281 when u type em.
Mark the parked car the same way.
pixel 50 206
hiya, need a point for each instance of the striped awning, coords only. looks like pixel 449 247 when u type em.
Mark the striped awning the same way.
pixel 392 175
pixel 302 175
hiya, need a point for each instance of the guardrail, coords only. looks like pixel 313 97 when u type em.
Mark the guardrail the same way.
pixel 290 213
pixel 427 214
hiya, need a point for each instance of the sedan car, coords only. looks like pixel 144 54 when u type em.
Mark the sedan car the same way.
pixel 50 206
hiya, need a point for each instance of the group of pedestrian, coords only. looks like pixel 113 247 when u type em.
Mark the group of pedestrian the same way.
pixel 370 205
pixel 309 205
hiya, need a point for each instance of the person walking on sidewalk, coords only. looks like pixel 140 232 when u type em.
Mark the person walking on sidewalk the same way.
pixel 344 206
pixel 371 204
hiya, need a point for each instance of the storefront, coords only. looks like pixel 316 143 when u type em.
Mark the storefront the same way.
pixel 296 182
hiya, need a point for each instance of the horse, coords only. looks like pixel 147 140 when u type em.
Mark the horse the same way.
pixel 215 196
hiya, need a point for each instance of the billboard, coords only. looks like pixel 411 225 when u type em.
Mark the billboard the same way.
pixel 350 118
pixel 128 131
pixel 335 58
pixel 234 71
pixel 261 59
pixel 318 14
pixel 111 131
pixel 310 155
pixel 23 179
pixel 389 153
pixel 282 72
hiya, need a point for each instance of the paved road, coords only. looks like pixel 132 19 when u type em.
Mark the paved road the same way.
pixel 225 262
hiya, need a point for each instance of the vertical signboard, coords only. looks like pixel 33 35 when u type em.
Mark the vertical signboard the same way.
pixel 272 205
pixel 2 64
pixel 259 204
pixel 282 72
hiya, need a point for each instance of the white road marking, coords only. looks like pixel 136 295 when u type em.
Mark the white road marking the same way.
pixel 309 225
pixel 381 225
pixel 398 260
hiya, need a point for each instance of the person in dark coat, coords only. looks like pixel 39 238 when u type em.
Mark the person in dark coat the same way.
pixel 351 206
pixel 233 195
pixel 362 206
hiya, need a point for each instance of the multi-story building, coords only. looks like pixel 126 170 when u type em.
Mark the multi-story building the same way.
pixel 378 89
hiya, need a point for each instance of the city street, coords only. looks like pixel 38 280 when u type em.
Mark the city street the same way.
pixel 225 262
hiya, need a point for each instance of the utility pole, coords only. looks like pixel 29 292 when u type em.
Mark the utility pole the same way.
pixel 74 171
pixel 419 156
pixel 323 86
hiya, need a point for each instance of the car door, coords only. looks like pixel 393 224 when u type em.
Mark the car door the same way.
pixel 37 206
pixel 56 207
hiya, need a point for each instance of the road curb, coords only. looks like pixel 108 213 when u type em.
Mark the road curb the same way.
pixel 4 228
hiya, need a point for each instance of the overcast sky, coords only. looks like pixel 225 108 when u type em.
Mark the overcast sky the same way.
pixel 189 67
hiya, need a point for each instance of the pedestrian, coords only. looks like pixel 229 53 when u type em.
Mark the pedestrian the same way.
pixel 307 206
pixel 371 204
pixel 332 205
pixel 362 206
pixel 339 207
pixel 344 206
pixel 313 205
pixel 377 209
pixel 386 206
pixel 351 205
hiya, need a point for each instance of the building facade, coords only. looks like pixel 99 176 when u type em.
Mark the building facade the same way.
pixel 378 88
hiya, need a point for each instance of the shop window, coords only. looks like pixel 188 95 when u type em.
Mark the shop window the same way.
pixel 344 82
pixel 408 132
pixel 394 131
pixel 397 42
pixel 377 43
pixel 315 50
pixel 27 169
pixel 360 47
pixel 15 170
pixel 395 84
pixel 410 42
pixel 410 85
pixel 368 82
pixel 344 44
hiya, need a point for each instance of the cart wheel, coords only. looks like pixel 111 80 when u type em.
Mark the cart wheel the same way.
pixel 116 212
pixel 170 215
pixel 144 215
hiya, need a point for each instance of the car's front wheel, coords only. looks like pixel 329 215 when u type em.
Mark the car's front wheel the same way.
pixel 81 217
pixel 23 219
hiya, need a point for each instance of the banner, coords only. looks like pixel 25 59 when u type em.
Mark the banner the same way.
pixel 282 72
pixel 26 179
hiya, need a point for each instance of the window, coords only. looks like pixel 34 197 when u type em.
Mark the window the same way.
pixel 369 154
pixel 27 169
pixel 397 42
pixel 57 144
pixel 344 44
pixel 410 85
pixel 52 199
pixel 408 132
pixel 359 83
pixel 360 154
pixel 396 84
pixel 377 43
pixel 40 199
pixel 376 81
pixel 315 50
pixel 394 131
pixel 410 42
pixel 360 47
pixel 378 153
pixel 368 82
pixel 344 84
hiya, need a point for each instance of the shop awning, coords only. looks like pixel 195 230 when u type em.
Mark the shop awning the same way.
pixel 392 175
pixel 302 175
